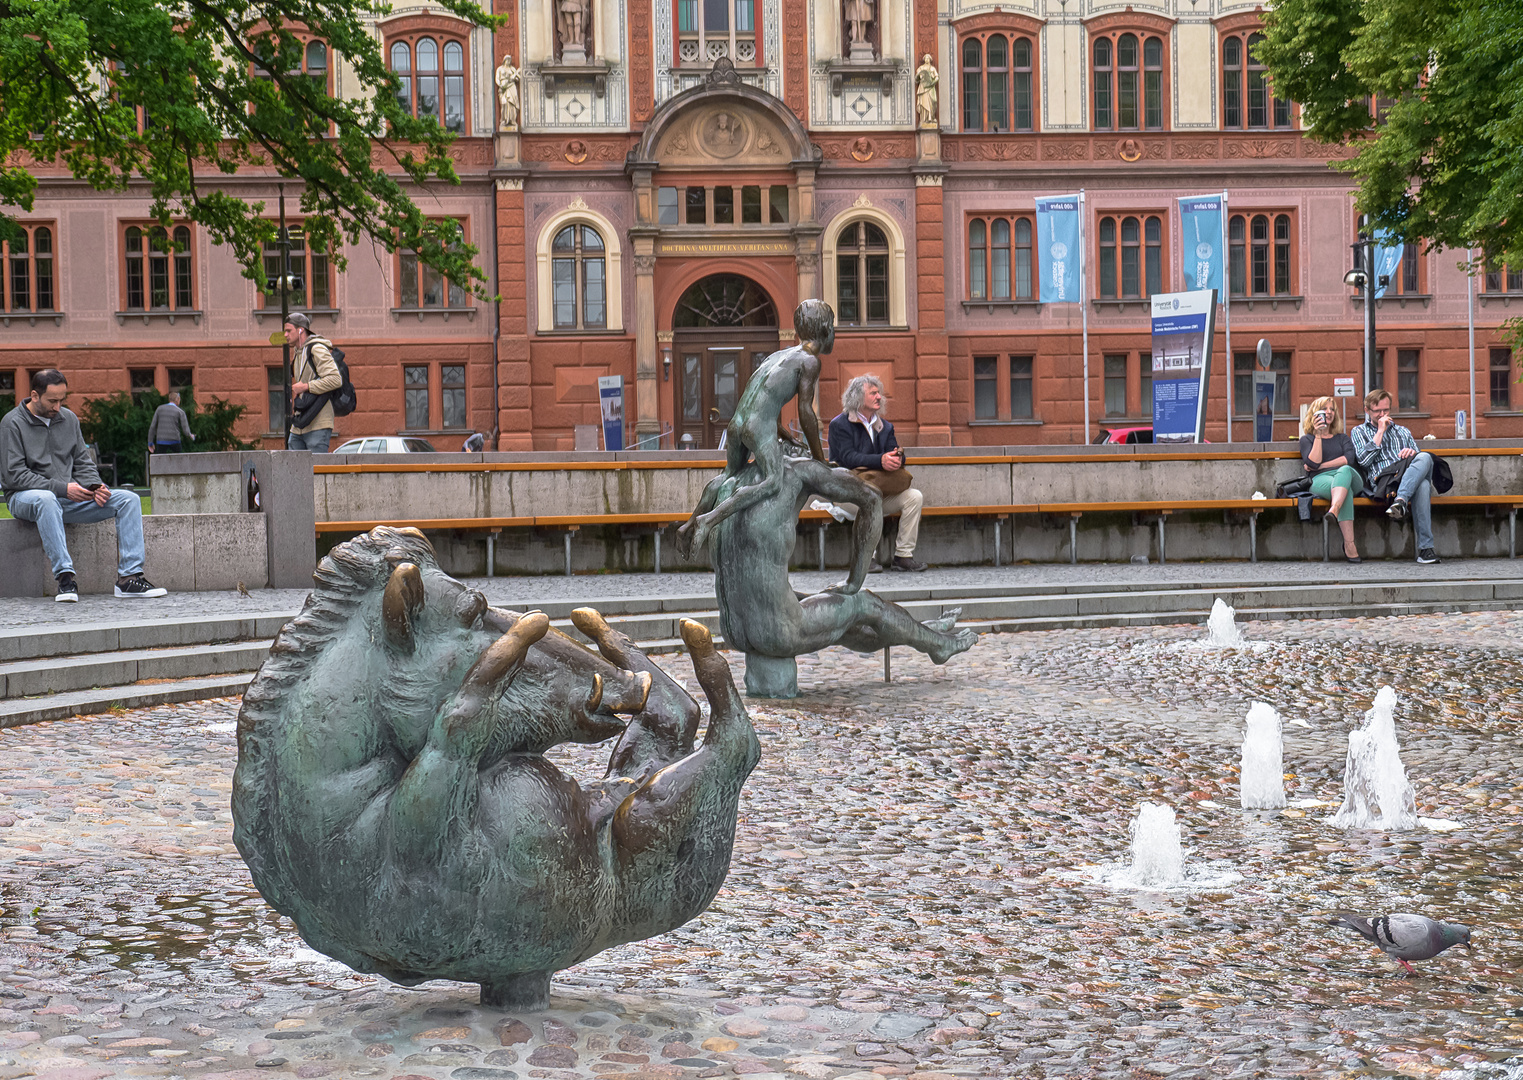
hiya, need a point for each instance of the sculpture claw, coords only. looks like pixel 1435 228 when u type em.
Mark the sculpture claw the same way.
pixel 403 597
pixel 596 697
pixel 697 638
pixel 507 651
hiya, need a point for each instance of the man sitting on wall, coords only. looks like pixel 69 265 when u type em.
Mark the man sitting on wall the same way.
pixel 861 439
pixel 1380 442
pixel 47 474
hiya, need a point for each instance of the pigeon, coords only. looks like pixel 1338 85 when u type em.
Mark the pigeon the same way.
pixel 1407 937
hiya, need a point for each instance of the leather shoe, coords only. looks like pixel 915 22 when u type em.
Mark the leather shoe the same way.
pixel 875 567
pixel 909 564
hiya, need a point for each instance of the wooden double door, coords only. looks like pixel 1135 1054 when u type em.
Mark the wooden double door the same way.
pixel 713 366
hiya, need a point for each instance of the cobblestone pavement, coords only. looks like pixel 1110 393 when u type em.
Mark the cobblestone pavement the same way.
pixel 916 886
pixel 524 592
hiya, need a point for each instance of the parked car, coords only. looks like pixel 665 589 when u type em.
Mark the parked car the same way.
pixel 1125 435
pixel 385 444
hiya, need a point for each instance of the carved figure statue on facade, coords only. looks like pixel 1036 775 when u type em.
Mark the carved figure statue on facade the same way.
pixel 859 16
pixel 508 89
pixel 926 81
pixel 573 27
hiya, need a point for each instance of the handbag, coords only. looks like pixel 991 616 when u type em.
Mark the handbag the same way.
pixel 1293 488
pixel 883 482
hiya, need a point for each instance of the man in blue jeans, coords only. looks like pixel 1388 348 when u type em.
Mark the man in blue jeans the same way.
pixel 1378 442
pixel 49 479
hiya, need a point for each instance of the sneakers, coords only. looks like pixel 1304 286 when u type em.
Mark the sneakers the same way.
pixel 910 565
pixel 68 591
pixel 137 587
pixel 1427 555
pixel 1397 509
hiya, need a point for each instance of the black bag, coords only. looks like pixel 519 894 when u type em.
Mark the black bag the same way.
pixel 1442 478
pixel 1293 488
pixel 1384 483
pixel 306 406
pixel 1303 505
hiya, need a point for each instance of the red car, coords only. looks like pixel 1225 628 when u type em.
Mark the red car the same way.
pixel 1125 435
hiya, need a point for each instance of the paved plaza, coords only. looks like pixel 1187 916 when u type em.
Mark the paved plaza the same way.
pixel 916 886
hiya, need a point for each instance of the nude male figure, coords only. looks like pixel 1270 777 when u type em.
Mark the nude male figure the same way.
pixel 756 428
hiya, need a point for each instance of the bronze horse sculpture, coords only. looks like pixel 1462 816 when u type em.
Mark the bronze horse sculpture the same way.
pixel 393 799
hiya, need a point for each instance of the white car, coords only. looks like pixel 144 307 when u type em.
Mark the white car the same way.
pixel 385 444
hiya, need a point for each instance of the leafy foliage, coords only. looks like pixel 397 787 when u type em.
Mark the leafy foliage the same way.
pixel 1446 164
pixel 118 425
pixel 174 94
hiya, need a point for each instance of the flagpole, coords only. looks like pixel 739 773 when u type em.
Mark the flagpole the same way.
pixel 1470 320
pixel 1231 364
pixel 1084 312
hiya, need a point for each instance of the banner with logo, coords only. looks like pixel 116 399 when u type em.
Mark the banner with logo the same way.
pixel 1057 238
pixel 1386 255
pixel 1183 326
pixel 611 398
pixel 1200 220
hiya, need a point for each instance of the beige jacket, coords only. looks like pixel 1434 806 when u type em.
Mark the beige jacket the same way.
pixel 315 366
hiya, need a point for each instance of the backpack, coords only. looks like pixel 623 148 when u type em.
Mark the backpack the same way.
pixel 344 399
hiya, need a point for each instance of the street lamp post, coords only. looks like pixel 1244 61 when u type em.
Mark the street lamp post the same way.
pixel 1363 277
pixel 285 310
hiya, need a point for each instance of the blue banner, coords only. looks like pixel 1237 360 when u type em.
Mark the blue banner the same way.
pixel 1386 255
pixel 1057 238
pixel 1200 220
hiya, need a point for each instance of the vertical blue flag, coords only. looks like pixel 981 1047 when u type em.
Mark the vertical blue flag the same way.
pixel 1200 219
pixel 1057 239
pixel 1386 255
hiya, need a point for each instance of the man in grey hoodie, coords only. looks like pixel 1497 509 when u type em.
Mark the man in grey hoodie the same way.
pixel 168 424
pixel 49 479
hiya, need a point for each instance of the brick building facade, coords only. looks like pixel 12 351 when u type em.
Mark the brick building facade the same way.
pixel 684 171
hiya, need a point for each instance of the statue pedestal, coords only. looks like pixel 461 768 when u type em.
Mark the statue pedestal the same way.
pixel 771 677
pixel 529 992
pixel 861 53
pixel 929 140
pixel 573 55
pixel 507 148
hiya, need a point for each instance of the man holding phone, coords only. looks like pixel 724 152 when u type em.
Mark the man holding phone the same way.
pixel 49 479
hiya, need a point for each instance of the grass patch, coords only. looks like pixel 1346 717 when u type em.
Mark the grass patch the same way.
pixel 147 501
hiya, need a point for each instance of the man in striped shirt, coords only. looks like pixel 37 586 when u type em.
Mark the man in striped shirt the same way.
pixel 1377 443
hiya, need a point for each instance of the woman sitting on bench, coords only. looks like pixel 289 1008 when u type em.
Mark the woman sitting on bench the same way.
pixel 1328 455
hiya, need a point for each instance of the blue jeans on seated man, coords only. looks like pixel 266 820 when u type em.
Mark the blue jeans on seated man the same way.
pixel 50 514
pixel 315 440
pixel 1417 488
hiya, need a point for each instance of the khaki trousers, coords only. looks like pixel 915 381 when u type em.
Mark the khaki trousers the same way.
pixel 907 505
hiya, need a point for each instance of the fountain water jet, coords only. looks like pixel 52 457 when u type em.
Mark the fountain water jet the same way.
pixel 1376 792
pixel 1221 626
pixel 1262 780
pixel 1157 857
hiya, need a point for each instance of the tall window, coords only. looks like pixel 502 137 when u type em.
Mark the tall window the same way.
pixel 159 268
pixel 1258 262
pixel 1128 82
pixel 996 83
pixel 1131 257
pixel 1115 384
pixel 1002 388
pixel 710 29
pixel 985 387
pixel 1145 383
pixel 1501 378
pixel 430 75
pixel 29 270
pixel 862 275
pixel 1501 278
pixel 310 285
pixel 452 395
pixel 1247 101
pixel 577 279
pixel 415 396
pixel 1404 384
pixel 421 286
pixel 1242 383
pixel 999 258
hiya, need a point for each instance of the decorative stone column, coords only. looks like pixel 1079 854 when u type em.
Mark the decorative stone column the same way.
pixel 515 422
pixel 647 388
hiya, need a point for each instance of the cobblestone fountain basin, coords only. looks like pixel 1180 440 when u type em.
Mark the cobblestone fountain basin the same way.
pixel 906 896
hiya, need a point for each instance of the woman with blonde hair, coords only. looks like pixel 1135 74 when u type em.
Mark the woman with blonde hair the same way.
pixel 1328 456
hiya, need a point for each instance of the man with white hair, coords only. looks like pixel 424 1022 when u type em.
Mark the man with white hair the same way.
pixel 861 439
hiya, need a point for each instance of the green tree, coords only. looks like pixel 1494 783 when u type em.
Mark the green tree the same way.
pixel 118 426
pixel 173 95
pixel 1445 165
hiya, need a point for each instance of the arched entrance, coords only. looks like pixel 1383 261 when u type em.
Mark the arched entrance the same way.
pixel 723 326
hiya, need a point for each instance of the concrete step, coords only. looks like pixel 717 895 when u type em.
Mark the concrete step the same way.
pixel 51 675
pixel 30 643
pixel 108 698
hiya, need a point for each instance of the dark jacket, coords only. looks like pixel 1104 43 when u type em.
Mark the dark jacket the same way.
pixel 38 456
pixel 1333 447
pixel 851 446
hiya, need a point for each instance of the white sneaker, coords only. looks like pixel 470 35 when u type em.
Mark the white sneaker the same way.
pixel 68 591
pixel 137 587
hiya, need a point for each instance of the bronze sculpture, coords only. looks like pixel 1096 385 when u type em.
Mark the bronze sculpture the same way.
pixel 747 515
pixel 392 796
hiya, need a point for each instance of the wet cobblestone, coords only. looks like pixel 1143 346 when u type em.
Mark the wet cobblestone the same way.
pixel 911 890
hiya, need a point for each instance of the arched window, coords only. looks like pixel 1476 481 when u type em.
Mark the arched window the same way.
pixel 862 275
pixel 1128 82
pixel 997 83
pixel 431 79
pixel 1131 256
pixel 1259 251
pixel 999 258
pixel 160 268
pixel 1246 98
pixel 579 279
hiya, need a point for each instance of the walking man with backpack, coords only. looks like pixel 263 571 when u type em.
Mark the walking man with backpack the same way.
pixel 314 372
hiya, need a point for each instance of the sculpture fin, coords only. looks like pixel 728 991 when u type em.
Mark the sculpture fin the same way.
pixel 402 599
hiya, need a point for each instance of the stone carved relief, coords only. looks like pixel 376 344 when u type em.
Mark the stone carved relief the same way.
pixel 723 134
pixel 1261 148
pixel 1194 151
pixel 576 151
pixel 1065 151
pixel 999 151
pixel 864 148
pixel 726 132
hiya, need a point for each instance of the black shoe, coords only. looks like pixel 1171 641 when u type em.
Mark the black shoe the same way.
pixel 875 567
pixel 137 587
pixel 68 591
pixel 1397 509
pixel 909 565
pixel 1427 555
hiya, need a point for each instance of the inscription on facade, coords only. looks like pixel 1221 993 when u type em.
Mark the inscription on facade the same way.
pixel 724 247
